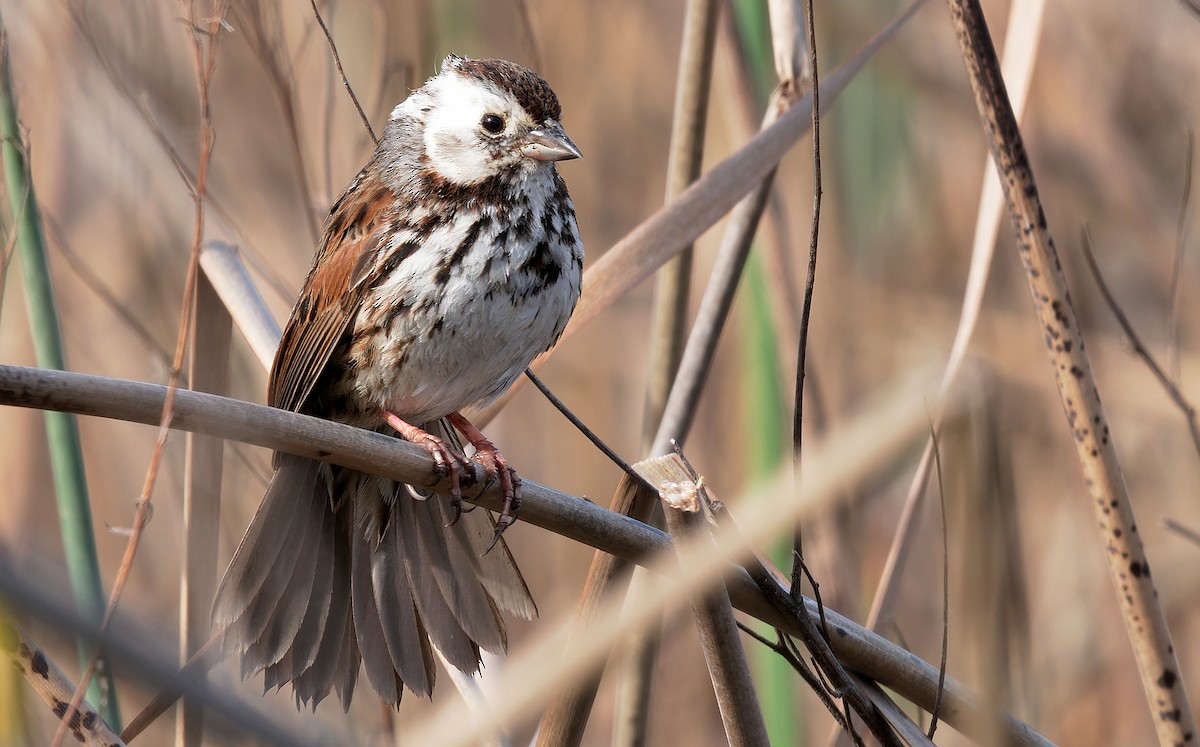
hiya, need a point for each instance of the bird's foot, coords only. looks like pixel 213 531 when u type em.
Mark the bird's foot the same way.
pixel 493 462
pixel 448 462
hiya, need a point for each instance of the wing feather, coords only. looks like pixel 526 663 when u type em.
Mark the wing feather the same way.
pixel 354 234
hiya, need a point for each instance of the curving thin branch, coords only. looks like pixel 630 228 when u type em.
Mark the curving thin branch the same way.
pixel 1139 348
pixel 580 520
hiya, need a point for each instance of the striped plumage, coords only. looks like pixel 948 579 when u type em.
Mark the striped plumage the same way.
pixel 447 265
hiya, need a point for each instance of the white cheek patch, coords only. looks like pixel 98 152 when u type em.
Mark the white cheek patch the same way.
pixel 452 136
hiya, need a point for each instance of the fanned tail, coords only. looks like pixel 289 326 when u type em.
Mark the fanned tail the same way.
pixel 339 566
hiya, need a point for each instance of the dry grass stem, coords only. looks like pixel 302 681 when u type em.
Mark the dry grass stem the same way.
pixel 212 332
pixel 1020 56
pixel 669 318
pixel 204 58
pixel 1138 599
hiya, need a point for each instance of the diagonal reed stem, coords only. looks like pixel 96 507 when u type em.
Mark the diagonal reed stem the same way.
pixel 1138 599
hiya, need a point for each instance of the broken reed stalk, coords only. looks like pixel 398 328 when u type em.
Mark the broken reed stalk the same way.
pixel 567 715
pixel 1136 595
pixel 669 323
pixel 684 504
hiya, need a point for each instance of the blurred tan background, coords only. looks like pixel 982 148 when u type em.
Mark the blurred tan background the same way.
pixel 1114 94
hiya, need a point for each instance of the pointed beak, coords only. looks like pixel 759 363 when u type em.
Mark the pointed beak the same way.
pixel 549 143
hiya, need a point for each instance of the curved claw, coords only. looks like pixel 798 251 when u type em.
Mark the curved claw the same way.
pixel 447 461
pixel 496 466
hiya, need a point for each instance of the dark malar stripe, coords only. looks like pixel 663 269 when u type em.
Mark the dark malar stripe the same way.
pixel 460 252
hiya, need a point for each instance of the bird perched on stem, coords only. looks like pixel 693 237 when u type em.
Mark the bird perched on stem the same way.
pixel 448 264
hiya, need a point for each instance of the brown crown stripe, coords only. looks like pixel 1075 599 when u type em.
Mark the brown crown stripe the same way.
pixel 528 88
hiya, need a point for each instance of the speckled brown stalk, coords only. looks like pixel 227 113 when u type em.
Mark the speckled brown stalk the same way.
pixel 1130 571
pixel 52 686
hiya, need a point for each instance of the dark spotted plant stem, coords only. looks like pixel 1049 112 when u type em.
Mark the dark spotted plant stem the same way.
pixel 1138 599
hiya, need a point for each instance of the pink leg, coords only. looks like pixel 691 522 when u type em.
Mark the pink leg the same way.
pixel 494 462
pixel 447 461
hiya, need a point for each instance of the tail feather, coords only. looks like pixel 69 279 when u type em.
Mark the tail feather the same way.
pixel 332 664
pixel 272 620
pixel 440 622
pixel 268 536
pixel 459 582
pixel 307 639
pixel 403 631
pixel 498 572
pixel 340 569
pixel 371 642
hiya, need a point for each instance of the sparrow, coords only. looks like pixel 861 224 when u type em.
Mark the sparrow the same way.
pixel 450 261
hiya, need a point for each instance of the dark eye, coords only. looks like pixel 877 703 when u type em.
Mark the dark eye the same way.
pixel 493 123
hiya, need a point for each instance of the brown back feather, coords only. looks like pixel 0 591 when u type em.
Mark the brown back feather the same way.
pixel 330 297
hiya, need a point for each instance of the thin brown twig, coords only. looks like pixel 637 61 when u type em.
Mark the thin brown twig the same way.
pixel 1181 231
pixel 810 279
pixel 587 432
pixel 814 639
pixel 204 67
pixel 535 50
pixel 785 648
pixel 337 62
pixel 1187 533
pixel 937 703
pixel 1139 348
